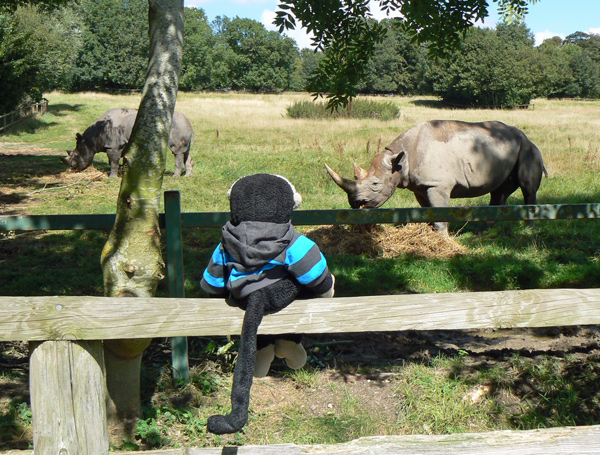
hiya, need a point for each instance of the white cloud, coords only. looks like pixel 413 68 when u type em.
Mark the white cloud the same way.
pixel 546 34
pixel 298 34
pixel 594 30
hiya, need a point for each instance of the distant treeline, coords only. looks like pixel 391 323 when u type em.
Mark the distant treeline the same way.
pixel 103 46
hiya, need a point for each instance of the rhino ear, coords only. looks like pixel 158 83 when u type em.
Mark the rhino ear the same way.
pixel 77 136
pixel 400 164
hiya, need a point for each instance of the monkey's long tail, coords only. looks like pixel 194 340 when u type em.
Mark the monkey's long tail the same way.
pixel 243 373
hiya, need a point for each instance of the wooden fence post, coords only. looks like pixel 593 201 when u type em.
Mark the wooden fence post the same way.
pixel 68 398
pixel 179 348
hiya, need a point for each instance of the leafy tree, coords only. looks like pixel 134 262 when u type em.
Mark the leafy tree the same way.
pixel 114 52
pixel 44 5
pixel 556 78
pixel 585 63
pixel 200 69
pixel 343 28
pixel 305 65
pixel 264 60
pixel 36 49
pixel 397 64
pixel 490 67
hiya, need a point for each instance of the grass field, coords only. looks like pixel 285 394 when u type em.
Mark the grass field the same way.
pixel 420 392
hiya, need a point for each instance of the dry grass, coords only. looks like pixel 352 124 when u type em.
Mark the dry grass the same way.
pixel 386 241
pixel 91 174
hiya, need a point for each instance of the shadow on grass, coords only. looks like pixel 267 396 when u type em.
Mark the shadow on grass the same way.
pixel 61 109
pixel 539 389
pixel 34 124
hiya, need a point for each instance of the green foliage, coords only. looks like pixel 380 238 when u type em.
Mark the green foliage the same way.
pixel 397 64
pixel 114 50
pixel 359 109
pixel 205 66
pixel 342 28
pixel 263 60
pixel 15 416
pixel 35 54
pixel 76 47
pixel 491 67
pixel 150 432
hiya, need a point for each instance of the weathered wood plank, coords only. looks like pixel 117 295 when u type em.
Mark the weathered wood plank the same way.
pixel 67 398
pixel 564 441
pixel 89 318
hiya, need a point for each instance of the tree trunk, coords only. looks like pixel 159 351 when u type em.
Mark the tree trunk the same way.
pixel 131 259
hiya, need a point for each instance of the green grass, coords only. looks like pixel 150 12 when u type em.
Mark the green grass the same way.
pixel 237 134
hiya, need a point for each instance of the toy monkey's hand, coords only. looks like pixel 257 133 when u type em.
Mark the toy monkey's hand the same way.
pixel 331 291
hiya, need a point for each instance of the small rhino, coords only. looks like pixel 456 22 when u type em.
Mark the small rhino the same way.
pixel 110 133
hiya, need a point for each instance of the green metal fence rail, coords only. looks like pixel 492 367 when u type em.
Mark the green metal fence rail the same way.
pixel 320 217
pixel 173 221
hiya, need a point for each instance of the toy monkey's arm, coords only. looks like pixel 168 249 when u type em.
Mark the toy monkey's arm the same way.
pixel 308 265
pixel 214 278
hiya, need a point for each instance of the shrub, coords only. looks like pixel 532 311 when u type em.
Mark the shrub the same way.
pixel 360 109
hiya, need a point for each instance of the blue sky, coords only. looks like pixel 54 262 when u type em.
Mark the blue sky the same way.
pixel 546 19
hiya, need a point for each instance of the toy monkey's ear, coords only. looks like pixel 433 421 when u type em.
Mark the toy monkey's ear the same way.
pixel 297 199
pixel 297 196
pixel 230 188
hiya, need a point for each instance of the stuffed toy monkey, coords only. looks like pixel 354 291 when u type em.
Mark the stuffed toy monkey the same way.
pixel 262 264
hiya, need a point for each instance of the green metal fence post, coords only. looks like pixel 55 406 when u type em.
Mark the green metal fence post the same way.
pixel 179 348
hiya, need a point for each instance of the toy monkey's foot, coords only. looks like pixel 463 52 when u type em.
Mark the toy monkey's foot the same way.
pixel 264 357
pixel 219 424
pixel 293 353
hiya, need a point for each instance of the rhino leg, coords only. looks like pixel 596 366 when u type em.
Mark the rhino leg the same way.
pixel 114 168
pixel 114 156
pixel 499 197
pixel 436 197
pixel 189 164
pixel 179 165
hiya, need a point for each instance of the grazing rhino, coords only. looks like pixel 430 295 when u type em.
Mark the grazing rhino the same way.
pixel 110 133
pixel 443 159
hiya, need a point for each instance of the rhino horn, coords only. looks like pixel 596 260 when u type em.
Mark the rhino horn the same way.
pixel 359 172
pixel 349 186
pixel 65 159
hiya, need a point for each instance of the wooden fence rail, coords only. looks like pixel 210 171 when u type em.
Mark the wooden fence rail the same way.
pixel 11 118
pixel 96 318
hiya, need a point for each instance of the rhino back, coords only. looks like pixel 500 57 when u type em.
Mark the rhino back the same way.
pixel 111 130
pixel 471 158
pixel 181 130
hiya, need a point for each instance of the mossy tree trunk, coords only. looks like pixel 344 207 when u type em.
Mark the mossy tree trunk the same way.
pixel 131 260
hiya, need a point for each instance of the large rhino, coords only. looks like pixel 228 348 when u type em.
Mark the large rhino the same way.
pixel 443 159
pixel 110 133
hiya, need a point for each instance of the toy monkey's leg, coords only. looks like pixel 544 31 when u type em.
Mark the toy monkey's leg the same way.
pixel 290 348
pixel 265 353
pixel 243 373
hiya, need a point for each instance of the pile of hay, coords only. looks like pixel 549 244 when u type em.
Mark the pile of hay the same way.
pixel 385 241
pixel 91 174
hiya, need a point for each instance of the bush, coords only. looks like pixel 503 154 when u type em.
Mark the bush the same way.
pixel 357 109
